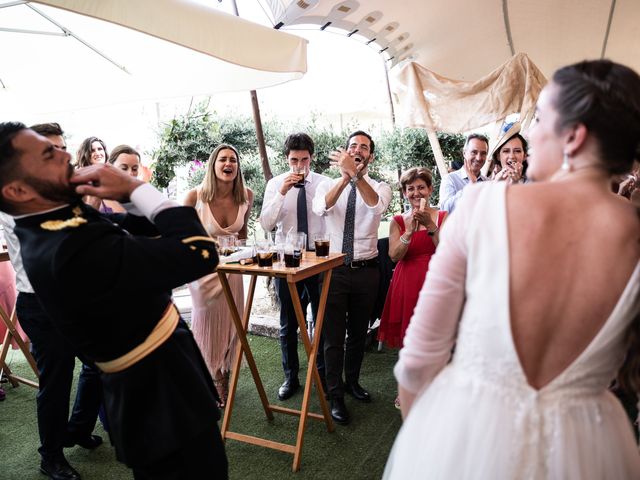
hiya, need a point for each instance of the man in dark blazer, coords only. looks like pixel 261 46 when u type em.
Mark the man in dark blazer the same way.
pixel 159 397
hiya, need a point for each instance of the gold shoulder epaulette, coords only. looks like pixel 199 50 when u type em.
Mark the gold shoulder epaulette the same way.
pixel 198 239
pixel 55 225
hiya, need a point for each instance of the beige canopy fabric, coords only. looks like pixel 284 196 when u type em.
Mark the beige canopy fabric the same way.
pixel 436 103
pixel 199 28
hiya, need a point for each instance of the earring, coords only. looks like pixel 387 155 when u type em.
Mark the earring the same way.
pixel 566 163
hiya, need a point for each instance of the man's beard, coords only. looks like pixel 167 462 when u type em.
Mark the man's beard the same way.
pixel 55 192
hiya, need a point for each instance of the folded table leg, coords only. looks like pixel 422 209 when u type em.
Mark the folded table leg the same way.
pixel 243 347
pixel 311 348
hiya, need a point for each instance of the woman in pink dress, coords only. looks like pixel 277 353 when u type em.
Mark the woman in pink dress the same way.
pixel 7 298
pixel 223 205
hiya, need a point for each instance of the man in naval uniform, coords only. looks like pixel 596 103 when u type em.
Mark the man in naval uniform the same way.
pixel 159 397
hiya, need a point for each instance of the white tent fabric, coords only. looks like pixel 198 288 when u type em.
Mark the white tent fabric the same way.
pixel 50 73
pixel 467 39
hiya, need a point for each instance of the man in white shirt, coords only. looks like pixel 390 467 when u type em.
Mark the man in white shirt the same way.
pixel 475 151
pixel 352 206
pixel 55 359
pixel 287 207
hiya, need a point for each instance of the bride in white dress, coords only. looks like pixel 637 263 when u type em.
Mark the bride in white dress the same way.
pixel 539 298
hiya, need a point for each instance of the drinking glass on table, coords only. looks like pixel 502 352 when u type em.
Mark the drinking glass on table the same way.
pixel 280 240
pixel 226 244
pixel 293 248
pixel 265 253
pixel 321 241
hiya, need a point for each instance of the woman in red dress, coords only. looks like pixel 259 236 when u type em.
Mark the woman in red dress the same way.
pixel 413 238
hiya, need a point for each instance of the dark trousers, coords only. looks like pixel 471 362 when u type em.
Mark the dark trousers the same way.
pixel 55 359
pixel 202 457
pixel 309 292
pixel 352 295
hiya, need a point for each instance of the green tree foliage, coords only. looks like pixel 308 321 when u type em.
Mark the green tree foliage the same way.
pixel 182 140
pixel 190 139
pixel 404 148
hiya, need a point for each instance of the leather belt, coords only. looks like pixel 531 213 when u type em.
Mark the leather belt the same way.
pixel 372 262
pixel 162 331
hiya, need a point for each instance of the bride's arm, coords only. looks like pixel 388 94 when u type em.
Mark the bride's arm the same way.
pixel 432 330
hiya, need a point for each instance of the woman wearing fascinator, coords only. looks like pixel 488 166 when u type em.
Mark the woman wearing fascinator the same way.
pixel 509 156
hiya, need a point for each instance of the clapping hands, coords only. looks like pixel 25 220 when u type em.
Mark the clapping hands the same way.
pixel 419 217
pixel 511 173
pixel 628 185
pixel 348 167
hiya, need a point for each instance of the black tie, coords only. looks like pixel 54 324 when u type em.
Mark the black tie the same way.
pixel 349 226
pixel 303 223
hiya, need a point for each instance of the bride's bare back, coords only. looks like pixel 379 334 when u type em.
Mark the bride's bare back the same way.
pixel 572 249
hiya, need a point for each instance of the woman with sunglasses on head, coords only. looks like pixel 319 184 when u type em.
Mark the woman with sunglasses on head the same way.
pixel 223 204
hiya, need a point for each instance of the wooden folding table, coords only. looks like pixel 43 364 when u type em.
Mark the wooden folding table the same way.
pixel 309 266
pixel 10 320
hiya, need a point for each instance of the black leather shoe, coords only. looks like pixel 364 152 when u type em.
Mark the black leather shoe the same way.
pixel 357 392
pixel 59 470
pixel 339 411
pixel 91 442
pixel 288 388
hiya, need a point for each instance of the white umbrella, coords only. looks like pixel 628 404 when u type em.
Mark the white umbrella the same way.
pixel 82 61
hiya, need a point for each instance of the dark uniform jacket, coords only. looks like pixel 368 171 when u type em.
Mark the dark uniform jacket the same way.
pixel 105 289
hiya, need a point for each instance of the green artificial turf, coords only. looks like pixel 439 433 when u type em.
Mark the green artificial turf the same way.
pixel 356 451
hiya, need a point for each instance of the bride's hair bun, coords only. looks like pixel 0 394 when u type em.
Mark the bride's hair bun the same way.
pixel 605 97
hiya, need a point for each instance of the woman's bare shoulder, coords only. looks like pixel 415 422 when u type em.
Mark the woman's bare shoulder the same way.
pixel 191 198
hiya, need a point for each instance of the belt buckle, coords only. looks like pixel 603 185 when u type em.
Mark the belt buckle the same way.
pixel 351 264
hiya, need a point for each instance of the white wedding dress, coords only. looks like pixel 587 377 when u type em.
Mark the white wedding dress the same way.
pixel 477 417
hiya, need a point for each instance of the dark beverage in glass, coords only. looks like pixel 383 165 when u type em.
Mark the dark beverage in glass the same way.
pixel 300 182
pixel 265 259
pixel 276 257
pixel 322 248
pixel 292 259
